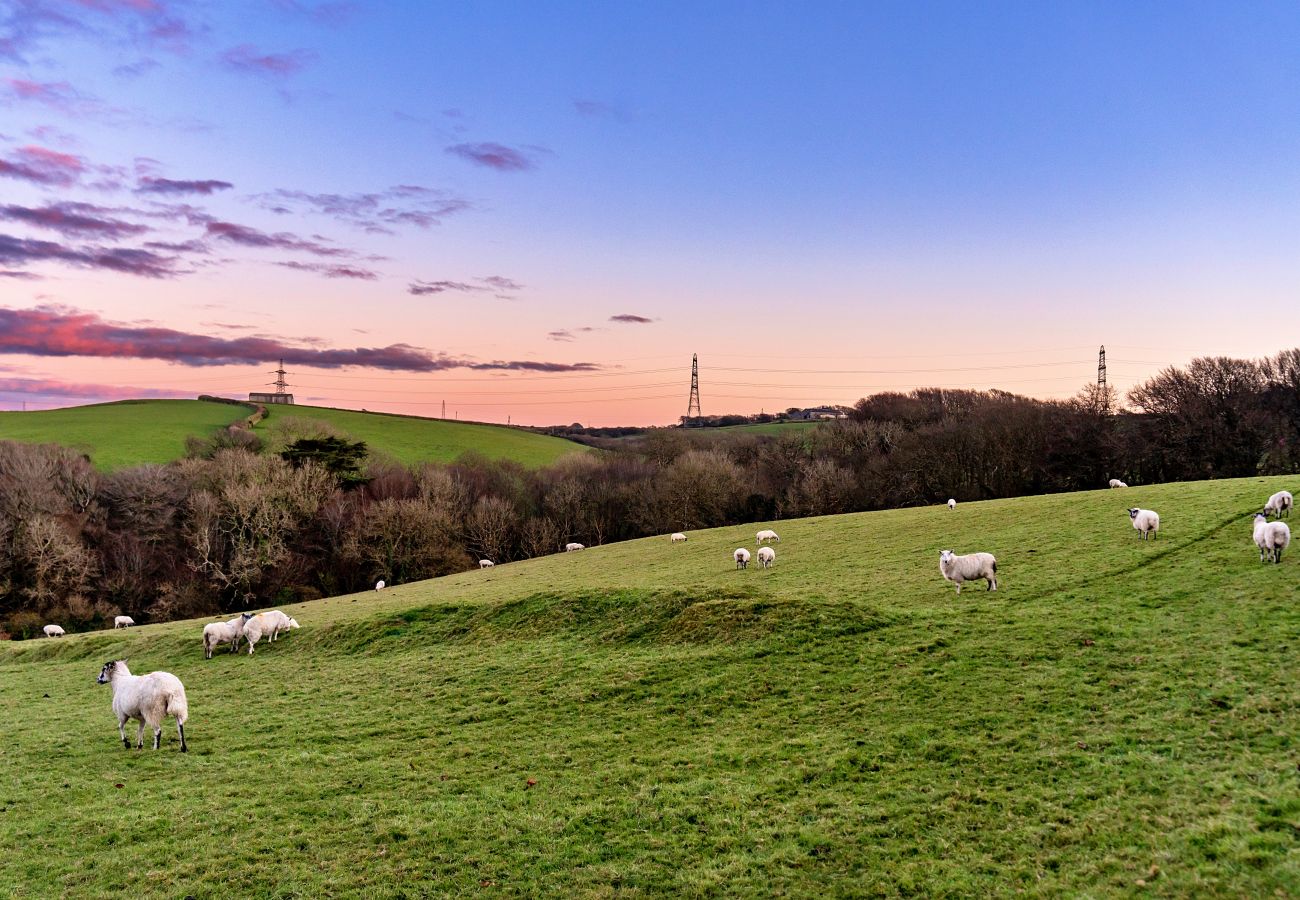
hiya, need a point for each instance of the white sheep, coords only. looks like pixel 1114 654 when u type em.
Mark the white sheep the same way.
pixel 1146 521
pixel 569 548
pixel 123 621
pixel 485 564
pixel 768 535
pixel 971 567
pixel 952 504
pixel 741 556
pixel 379 585
pixel 1280 504
pixel 766 556
pixel 677 536
pixel 53 631
pixel 1271 538
pixel 217 633
pixel 148 698
pixel 269 625
pixel 1116 483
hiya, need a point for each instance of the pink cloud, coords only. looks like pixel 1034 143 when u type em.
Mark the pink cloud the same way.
pixel 332 271
pixel 493 156
pixel 43 166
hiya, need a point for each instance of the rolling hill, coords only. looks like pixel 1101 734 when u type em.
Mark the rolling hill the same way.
pixel 132 432
pixel 642 718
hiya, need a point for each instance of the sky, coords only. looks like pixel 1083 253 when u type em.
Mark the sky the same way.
pixel 537 213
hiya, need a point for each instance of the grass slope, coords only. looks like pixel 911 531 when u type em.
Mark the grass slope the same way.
pixel 121 434
pixel 1119 718
pixel 410 439
pixel 766 428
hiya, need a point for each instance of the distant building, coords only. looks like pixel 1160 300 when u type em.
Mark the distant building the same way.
pixel 270 398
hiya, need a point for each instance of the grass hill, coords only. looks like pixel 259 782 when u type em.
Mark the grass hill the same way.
pixel 132 432
pixel 1119 718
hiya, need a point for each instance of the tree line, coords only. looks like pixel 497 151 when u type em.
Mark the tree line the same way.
pixel 243 523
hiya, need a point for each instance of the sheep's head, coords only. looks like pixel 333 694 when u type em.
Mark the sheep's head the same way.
pixel 945 556
pixel 1260 515
pixel 1132 513
pixel 246 616
pixel 293 623
pixel 110 668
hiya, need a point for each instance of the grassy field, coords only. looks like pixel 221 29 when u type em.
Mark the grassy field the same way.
pixel 131 432
pixel 409 439
pixel 126 433
pixel 1120 718
pixel 767 428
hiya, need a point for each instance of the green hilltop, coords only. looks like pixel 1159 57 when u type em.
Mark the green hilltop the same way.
pixel 133 432
pixel 644 719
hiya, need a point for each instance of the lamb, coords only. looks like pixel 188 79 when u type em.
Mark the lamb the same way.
pixel 148 698
pixel 485 564
pixel 1279 504
pixel 123 621
pixel 217 633
pixel 741 556
pixel 269 625
pixel 952 504
pixel 379 585
pixel 1146 521
pixel 1271 538
pixel 569 548
pixel 971 567
pixel 677 536
pixel 1116 483
pixel 53 631
pixel 766 556
pixel 768 535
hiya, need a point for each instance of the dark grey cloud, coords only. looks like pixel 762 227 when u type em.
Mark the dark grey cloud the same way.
pixel 152 185
pixel 629 319
pixel 16 251
pixel 494 156
pixel 331 270
pixel 76 220
pixel 378 212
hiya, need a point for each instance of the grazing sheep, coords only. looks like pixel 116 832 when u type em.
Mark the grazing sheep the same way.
pixel 569 548
pixel 677 536
pixel 766 556
pixel 741 556
pixel 269 625
pixel 217 633
pixel 1146 521
pixel 148 698
pixel 1115 482
pixel 1279 504
pixel 379 585
pixel 952 504
pixel 767 535
pixel 1271 538
pixel 971 567
pixel 123 621
pixel 485 564
pixel 53 631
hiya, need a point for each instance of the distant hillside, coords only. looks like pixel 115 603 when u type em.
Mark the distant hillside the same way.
pixel 133 432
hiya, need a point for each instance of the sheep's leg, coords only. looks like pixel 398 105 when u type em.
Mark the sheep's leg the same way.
pixel 959 587
pixel 180 729
pixel 121 729
pixel 139 736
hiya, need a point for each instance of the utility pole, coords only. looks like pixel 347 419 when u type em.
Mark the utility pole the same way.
pixel 1102 391
pixel 444 409
pixel 693 404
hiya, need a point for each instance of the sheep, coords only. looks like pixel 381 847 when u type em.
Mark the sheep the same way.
pixel 485 564
pixel 1116 483
pixel 952 504
pixel 569 548
pixel 971 567
pixel 1146 521
pixel 677 536
pixel 1271 538
pixel 768 535
pixel 216 633
pixel 148 698
pixel 379 585
pixel 741 556
pixel 53 631
pixel 123 621
pixel 1280 504
pixel 766 556
pixel 269 625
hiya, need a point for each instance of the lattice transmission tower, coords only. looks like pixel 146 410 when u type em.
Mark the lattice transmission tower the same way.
pixel 693 404
pixel 281 386
pixel 1102 390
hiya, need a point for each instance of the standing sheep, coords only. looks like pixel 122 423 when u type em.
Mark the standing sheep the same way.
pixel 766 556
pixel 1146 521
pixel 677 536
pixel 53 631
pixel 1279 504
pixel 379 585
pixel 569 548
pixel 485 564
pixel 741 556
pixel 269 625
pixel 123 621
pixel 217 633
pixel 952 504
pixel 148 698
pixel 1271 538
pixel 767 535
pixel 971 567
pixel 1116 483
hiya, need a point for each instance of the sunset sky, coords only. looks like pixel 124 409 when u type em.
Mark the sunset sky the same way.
pixel 540 211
